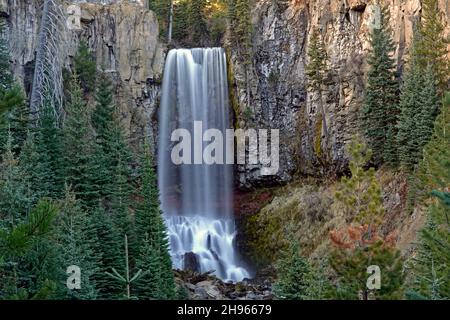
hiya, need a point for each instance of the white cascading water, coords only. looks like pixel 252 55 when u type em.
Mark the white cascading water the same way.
pixel 197 198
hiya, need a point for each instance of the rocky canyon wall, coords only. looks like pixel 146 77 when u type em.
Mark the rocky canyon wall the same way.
pixel 276 96
pixel 123 36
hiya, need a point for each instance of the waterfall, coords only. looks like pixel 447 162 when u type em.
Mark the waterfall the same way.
pixel 197 198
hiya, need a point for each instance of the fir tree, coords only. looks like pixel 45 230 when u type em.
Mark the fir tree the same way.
pixel 419 107
pixel 162 10
pixel 350 259
pixel 317 72
pixel 15 198
pixel 112 155
pixel 85 67
pixel 19 241
pixel 127 279
pixel 360 195
pixel 41 156
pixel 431 266
pixel 150 227
pixel 108 249
pixel 380 110
pixel 197 21
pixel 149 261
pixel 78 163
pixel 432 47
pixel 297 279
pixel 75 241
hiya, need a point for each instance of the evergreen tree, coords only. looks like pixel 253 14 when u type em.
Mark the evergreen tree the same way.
pixel 85 67
pixel 419 107
pixel 380 110
pixel 75 241
pixel 350 260
pixel 108 248
pixel 162 10
pixel 18 241
pixel 317 72
pixel 15 198
pixel 112 155
pixel 297 279
pixel 41 156
pixel 360 195
pixel 432 47
pixel 431 266
pixel 78 161
pixel 149 261
pixel 434 169
pixel 151 231
pixel 197 21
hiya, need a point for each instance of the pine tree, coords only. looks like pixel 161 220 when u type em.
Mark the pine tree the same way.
pixel 41 156
pixel 18 241
pixel 351 258
pixel 85 67
pixel 148 287
pixel 419 107
pixel 109 250
pixel 434 168
pixel 431 266
pixel 75 241
pixel 317 72
pixel 360 195
pixel 15 198
pixel 78 163
pixel 432 47
pixel 380 110
pixel 197 21
pixel 150 225
pixel 112 153
pixel 162 10
pixel 297 278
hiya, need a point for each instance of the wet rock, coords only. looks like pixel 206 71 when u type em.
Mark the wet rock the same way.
pixel 191 262
pixel 208 287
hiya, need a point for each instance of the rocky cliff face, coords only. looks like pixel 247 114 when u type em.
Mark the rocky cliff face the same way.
pixel 277 88
pixel 123 35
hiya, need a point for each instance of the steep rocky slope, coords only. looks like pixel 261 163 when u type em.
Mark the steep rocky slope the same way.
pixel 275 95
pixel 123 36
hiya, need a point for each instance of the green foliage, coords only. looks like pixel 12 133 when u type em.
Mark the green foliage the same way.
pixel 180 20
pixel 75 240
pixel 239 17
pixel 419 105
pixel 108 249
pixel 380 110
pixel 360 195
pixel 317 74
pixel 432 45
pixel 41 156
pixel 197 21
pixel 431 266
pixel 350 267
pixel 297 279
pixel 20 241
pixel 78 164
pixel 125 278
pixel 317 68
pixel 152 237
pixel 162 11
pixel 15 199
pixel 85 67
